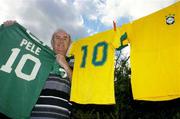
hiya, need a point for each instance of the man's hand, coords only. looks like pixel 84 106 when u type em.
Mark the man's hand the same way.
pixel 63 63
pixel 62 60
pixel 9 22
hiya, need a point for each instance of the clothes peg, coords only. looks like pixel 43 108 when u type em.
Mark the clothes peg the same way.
pixel 114 25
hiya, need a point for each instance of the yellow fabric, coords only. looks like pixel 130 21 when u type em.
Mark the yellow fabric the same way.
pixel 94 83
pixel 155 55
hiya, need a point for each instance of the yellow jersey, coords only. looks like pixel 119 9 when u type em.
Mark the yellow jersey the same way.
pixel 93 73
pixel 155 54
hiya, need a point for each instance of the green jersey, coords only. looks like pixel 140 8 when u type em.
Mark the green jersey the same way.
pixel 25 64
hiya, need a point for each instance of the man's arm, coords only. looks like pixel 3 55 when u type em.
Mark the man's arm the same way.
pixel 62 61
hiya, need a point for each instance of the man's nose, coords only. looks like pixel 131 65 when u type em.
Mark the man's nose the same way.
pixel 60 44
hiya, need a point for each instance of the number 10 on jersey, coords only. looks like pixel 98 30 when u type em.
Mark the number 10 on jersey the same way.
pixel 18 70
pixel 94 61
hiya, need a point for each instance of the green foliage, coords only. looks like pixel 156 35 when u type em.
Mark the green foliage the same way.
pixel 126 107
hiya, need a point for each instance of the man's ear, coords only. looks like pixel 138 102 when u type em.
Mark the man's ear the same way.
pixel 70 41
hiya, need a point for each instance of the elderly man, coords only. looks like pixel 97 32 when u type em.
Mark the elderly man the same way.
pixel 53 101
pixel 54 98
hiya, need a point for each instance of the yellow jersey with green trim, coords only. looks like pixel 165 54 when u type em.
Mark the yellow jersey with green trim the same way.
pixel 155 54
pixel 93 73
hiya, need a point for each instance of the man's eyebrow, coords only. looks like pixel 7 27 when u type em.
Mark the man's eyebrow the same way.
pixel 57 36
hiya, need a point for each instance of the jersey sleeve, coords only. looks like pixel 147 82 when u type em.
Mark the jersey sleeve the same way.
pixel 120 38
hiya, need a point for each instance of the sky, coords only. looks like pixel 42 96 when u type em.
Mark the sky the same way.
pixel 80 18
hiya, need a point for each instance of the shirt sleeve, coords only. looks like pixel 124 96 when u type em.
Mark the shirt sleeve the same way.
pixel 121 37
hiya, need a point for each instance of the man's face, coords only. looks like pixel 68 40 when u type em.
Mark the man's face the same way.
pixel 61 43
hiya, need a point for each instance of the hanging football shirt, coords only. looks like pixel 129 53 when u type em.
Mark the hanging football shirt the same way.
pixel 93 73
pixel 24 66
pixel 155 54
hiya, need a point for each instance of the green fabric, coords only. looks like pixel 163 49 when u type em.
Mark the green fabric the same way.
pixel 123 37
pixel 56 69
pixel 17 94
